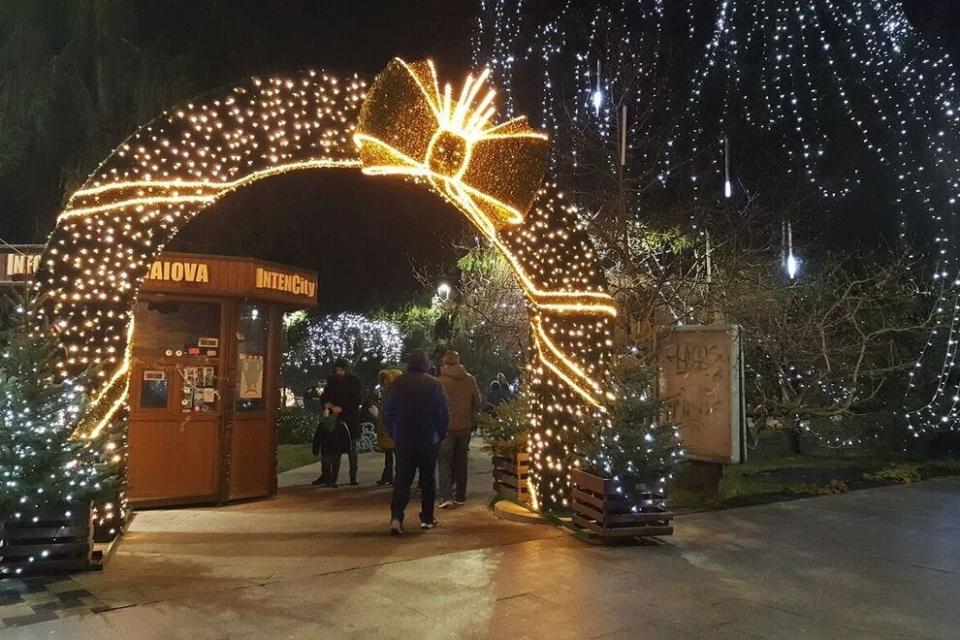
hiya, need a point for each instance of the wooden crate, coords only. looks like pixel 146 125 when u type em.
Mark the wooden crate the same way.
pixel 605 515
pixel 50 545
pixel 510 476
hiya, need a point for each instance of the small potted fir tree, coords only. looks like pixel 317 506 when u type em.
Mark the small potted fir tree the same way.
pixel 619 487
pixel 49 478
pixel 505 433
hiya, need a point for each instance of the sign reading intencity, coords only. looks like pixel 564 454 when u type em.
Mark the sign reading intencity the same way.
pixel 286 282
pixel 19 262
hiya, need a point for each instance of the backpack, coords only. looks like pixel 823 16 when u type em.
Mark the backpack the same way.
pixel 326 424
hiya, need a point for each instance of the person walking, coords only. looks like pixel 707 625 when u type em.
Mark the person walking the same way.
pixel 464 400
pixel 343 395
pixel 416 415
pixel 385 378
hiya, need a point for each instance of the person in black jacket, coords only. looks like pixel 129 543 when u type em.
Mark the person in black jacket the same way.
pixel 343 396
pixel 331 444
pixel 416 416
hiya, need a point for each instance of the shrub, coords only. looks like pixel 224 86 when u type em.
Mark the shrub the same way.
pixel 505 432
pixel 295 425
pixel 835 487
pixel 896 474
pixel 941 468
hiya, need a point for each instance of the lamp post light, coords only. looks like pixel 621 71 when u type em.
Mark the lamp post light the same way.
pixel 443 291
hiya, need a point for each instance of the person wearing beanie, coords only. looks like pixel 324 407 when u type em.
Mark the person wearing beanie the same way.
pixel 463 396
pixel 343 395
pixel 416 416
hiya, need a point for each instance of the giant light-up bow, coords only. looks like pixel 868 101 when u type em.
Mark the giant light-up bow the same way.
pixel 407 126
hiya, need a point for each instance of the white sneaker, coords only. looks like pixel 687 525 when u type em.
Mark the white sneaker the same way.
pixel 396 527
pixel 459 503
pixel 429 525
pixel 446 504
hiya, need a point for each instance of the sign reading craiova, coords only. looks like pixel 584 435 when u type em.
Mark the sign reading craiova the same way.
pixel 287 282
pixel 179 271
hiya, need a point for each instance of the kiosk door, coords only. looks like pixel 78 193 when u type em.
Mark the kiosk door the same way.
pixel 252 394
pixel 175 436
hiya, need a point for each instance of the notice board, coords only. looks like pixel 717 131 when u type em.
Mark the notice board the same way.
pixel 701 384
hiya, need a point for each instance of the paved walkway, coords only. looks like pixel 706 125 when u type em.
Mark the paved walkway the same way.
pixel 316 563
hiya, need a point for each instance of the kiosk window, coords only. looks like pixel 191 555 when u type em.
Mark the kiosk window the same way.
pixel 154 389
pixel 251 357
pixel 165 328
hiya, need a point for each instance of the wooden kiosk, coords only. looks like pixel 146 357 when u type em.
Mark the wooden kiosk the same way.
pixel 204 380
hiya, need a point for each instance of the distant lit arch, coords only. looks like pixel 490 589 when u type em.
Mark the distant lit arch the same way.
pixel 119 221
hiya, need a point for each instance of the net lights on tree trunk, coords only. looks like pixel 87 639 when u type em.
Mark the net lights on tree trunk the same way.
pixel 172 168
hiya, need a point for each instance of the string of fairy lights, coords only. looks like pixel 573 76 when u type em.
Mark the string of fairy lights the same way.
pixel 838 87
pixel 174 167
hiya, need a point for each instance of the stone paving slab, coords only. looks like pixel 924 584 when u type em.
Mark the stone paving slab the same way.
pixel 27 601
pixel 850 566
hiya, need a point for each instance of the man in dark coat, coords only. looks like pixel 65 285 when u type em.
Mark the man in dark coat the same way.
pixel 343 395
pixel 416 415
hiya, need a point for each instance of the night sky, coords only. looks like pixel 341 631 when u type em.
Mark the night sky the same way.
pixel 365 236
pixel 361 234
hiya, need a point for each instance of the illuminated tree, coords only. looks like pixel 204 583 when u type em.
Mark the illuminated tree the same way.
pixel 44 472
pixel 314 344
pixel 489 319
pixel 842 100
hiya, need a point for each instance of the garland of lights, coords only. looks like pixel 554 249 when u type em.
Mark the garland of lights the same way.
pixel 824 78
pixel 169 170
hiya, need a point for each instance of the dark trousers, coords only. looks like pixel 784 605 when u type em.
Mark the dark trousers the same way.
pixel 353 460
pixel 330 466
pixel 453 466
pixel 409 461
pixel 387 475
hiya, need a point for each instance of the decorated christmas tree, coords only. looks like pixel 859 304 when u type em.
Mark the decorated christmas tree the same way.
pixel 46 473
pixel 635 446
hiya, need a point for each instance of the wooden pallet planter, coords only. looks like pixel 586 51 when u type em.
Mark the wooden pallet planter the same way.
pixel 108 528
pixel 605 515
pixel 50 545
pixel 510 476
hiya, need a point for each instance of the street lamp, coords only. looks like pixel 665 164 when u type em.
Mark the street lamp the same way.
pixel 443 292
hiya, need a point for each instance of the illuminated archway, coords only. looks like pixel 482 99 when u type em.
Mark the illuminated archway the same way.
pixel 170 169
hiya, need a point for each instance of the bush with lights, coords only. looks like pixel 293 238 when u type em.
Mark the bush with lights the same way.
pixel 315 343
pixel 634 447
pixel 45 472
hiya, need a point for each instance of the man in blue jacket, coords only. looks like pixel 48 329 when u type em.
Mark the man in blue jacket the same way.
pixel 416 415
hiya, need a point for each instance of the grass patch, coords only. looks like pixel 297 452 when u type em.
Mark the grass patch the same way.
pixel 291 456
pixel 775 479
